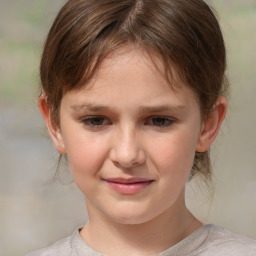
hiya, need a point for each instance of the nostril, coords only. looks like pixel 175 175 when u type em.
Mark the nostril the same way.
pixel 128 161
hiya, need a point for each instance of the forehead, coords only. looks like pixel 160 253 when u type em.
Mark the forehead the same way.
pixel 131 78
pixel 141 64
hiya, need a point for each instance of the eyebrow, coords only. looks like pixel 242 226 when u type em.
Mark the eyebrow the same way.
pixel 143 109
pixel 90 107
pixel 162 108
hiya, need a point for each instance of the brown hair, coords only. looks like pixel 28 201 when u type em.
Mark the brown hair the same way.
pixel 185 34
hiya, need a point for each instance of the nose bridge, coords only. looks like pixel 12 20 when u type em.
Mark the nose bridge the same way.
pixel 127 148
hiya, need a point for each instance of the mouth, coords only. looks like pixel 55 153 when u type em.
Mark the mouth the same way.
pixel 128 186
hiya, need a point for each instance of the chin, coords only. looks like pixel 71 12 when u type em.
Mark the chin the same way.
pixel 131 217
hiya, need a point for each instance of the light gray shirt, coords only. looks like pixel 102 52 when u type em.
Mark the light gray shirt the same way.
pixel 209 240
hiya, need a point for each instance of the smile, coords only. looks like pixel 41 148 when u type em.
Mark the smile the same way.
pixel 128 186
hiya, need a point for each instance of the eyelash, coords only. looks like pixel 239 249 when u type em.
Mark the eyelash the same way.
pixel 102 121
pixel 165 121
pixel 88 121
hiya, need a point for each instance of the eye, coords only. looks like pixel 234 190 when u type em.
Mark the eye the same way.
pixel 159 121
pixel 95 121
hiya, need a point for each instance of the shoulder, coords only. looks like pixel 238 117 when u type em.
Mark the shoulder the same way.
pixel 221 241
pixel 72 245
pixel 62 247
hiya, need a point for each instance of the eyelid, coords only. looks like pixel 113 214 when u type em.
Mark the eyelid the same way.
pixel 87 119
pixel 96 122
pixel 168 123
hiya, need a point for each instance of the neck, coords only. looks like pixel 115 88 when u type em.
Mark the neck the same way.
pixel 149 238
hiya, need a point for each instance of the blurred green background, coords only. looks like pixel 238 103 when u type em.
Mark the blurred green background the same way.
pixel 34 211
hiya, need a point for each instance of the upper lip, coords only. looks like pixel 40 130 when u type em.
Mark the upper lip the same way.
pixel 127 180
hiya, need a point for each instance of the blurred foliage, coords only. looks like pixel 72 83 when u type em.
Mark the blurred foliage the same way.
pixel 23 27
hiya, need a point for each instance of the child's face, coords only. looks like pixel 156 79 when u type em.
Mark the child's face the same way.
pixel 130 140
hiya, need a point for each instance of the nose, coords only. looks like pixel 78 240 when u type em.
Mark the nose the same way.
pixel 127 150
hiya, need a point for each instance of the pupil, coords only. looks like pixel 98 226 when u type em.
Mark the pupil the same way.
pixel 97 121
pixel 159 121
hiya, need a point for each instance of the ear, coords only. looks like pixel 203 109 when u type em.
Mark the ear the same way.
pixel 53 129
pixel 211 125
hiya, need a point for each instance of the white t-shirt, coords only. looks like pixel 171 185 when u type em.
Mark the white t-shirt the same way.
pixel 208 240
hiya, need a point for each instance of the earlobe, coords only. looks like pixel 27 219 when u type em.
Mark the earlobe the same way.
pixel 53 129
pixel 211 125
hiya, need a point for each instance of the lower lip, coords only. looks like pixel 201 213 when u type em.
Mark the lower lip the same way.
pixel 129 189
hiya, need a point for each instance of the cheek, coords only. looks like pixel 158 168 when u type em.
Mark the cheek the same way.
pixel 175 154
pixel 85 155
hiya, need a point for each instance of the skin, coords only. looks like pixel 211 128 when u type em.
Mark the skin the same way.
pixel 129 124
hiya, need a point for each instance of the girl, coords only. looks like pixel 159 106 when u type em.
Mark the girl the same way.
pixel 133 94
